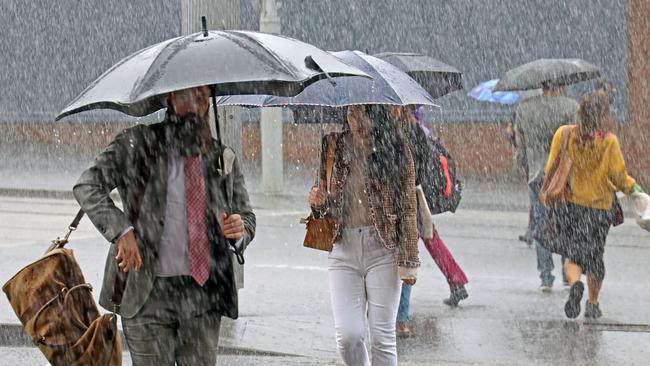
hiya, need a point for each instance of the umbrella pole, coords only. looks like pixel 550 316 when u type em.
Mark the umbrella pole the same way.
pixel 322 135
pixel 216 123
pixel 239 254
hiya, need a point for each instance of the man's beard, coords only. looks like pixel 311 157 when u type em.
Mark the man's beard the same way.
pixel 188 134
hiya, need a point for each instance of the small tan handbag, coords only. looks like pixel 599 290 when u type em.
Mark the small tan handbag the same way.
pixel 320 231
pixel 556 181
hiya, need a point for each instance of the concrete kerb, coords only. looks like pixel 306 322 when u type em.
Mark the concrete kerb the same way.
pixel 509 197
pixel 258 200
pixel 490 201
pixel 476 196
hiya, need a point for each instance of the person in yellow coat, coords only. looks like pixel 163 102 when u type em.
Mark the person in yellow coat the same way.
pixel 583 222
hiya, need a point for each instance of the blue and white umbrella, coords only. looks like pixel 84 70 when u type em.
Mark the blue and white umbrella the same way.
pixel 483 93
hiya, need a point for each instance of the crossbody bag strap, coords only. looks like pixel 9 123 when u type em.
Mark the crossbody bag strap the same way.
pixel 565 138
pixel 60 243
pixel 331 151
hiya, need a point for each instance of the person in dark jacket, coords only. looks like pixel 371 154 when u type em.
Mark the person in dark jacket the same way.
pixel 169 271
pixel 536 120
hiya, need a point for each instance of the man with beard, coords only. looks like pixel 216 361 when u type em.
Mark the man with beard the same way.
pixel 169 271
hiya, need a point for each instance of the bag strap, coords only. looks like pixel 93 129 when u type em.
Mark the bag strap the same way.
pixel 60 243
pixel 75 223
pixel 63 297
pixel 329 161
pixel 565 137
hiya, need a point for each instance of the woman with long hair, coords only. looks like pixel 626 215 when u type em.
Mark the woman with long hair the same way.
pixel 372 205
pixel 583 222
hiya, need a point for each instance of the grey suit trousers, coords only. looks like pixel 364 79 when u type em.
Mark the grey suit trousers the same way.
pixel 176 325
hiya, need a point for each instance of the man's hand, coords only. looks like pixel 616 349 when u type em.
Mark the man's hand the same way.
pixel 317 196
pixel 128 254
pixel 232 226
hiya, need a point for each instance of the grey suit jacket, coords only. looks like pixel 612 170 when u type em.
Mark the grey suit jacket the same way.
pixel 135 164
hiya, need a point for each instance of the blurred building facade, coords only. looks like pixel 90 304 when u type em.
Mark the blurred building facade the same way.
pixel 50 51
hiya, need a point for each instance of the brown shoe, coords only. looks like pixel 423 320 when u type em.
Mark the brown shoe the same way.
pixel 401 330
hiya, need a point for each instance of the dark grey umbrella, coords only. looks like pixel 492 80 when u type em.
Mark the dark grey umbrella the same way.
pixel 437 77
pixel 547 72
pixel 387 85
pixel 231 62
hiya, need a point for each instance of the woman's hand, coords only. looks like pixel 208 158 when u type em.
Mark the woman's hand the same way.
pixel 408 275
pixel 409 281
pixel 317 196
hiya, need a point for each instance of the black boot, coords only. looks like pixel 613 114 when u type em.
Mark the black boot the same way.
pixel 526 238
pixel 572 306
pixel 592 311
pixel 457 294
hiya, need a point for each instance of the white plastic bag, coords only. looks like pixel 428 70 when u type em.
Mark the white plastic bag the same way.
pixel 642 209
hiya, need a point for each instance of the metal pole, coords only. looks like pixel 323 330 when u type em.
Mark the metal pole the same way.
pixel 271 118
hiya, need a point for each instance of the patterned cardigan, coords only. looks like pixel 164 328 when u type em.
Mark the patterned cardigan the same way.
pixel 395 229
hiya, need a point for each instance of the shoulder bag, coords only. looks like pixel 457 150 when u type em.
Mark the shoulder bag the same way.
pixel 320 230
pixel 556 180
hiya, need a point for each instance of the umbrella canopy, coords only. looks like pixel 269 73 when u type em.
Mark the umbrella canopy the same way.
pixel 231 62
pixel 388 85
pixel 437 77
pixel 547 72
pixel 484 92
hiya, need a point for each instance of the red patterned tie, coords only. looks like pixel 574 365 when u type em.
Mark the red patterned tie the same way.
pixel 197 229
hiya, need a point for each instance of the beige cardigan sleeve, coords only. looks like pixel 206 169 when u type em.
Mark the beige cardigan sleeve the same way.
pixel 408 246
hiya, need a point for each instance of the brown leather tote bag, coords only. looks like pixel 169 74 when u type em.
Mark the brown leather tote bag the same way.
pixel 54 303
pixel 556 180
pixel 320 231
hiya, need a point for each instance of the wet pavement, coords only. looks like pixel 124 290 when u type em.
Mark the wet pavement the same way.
pixel 285 309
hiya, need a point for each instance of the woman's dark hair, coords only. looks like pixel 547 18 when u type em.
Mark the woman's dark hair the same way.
pixel 387 162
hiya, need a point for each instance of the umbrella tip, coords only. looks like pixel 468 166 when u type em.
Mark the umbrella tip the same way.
pixel 312 64
pixel 204 24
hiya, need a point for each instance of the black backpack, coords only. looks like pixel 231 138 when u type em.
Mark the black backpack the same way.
pixel 436 172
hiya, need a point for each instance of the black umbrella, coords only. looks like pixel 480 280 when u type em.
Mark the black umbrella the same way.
pixel 547 73
pixel 437 77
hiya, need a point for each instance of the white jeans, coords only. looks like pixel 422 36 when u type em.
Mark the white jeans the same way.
pixel 364 280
